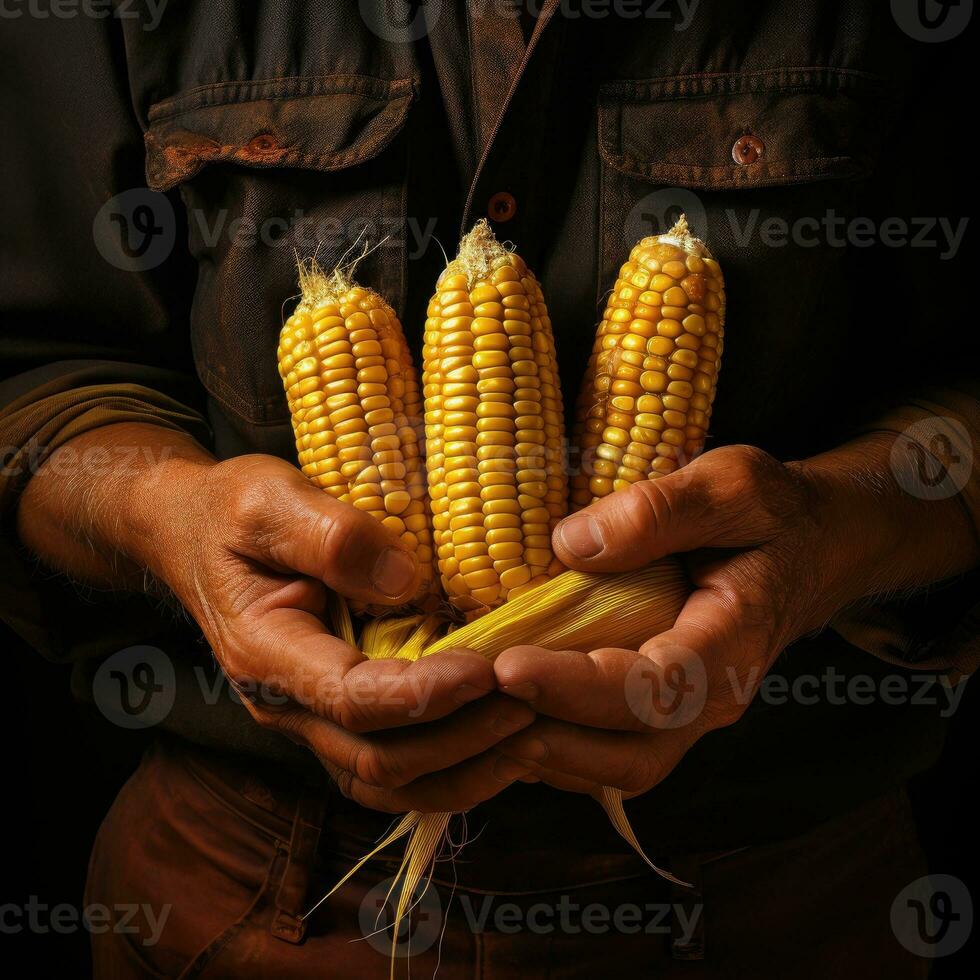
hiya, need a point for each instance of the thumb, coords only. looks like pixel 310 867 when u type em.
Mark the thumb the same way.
pixel 291 525
pixel 728 498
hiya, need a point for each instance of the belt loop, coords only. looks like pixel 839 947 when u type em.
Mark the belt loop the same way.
pixel 291 897
pixel 687 910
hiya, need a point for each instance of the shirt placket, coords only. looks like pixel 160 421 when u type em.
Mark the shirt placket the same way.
pixel 510 138
pixel 497 52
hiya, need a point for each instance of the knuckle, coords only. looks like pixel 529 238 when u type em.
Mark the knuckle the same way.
pixel 334 536
pixel 238 664
pixel 345 783
pixel 738 595
pixel 250 491
pixel 374 797
pixel 762 488
pixel 377 767
pixel 748 470
pixel 338 708
pixel 291 723
pixel 749 614
pixel 647 507
pixel 754 465
pixel 611 665
pixel 358 696
pixel 327 702
pixel 638 775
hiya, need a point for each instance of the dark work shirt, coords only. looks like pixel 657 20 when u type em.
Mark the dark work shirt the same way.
pixel 158 175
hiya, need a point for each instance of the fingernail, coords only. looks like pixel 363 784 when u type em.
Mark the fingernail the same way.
pixel 581 536
pixel 394 572
pixel 534 751
pixel 469 692
pixel 512 718
pixel 523 692
pixel 507 770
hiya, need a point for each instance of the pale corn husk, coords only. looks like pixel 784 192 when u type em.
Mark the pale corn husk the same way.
pixel 580 611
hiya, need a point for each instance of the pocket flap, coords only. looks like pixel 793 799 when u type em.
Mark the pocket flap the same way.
pixel 313 123
pixel 811 124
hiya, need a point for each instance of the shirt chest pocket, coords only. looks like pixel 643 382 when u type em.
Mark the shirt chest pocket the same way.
pixel 269 171
pixel 721 144
pixel 769 168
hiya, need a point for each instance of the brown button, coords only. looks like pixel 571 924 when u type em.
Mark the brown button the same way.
pixel 747 149
pixel 502 206
pixel 263 143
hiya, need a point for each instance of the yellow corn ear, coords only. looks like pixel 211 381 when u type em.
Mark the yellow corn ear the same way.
pixel 356 407
pixel 494 426
pixel 650 382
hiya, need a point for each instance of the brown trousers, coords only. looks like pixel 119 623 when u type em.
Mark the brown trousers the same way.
pixel 211 870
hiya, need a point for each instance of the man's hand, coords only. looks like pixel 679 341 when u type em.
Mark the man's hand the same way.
pixel 250 548
pixel 773 550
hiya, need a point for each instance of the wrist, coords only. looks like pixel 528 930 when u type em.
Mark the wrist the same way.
pixel 159 501
pixel 872 535
pixel 99 505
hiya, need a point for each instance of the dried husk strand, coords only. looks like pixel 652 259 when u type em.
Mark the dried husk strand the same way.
pixel 574 611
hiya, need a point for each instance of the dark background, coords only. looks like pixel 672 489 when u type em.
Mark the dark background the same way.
pixel 68 763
